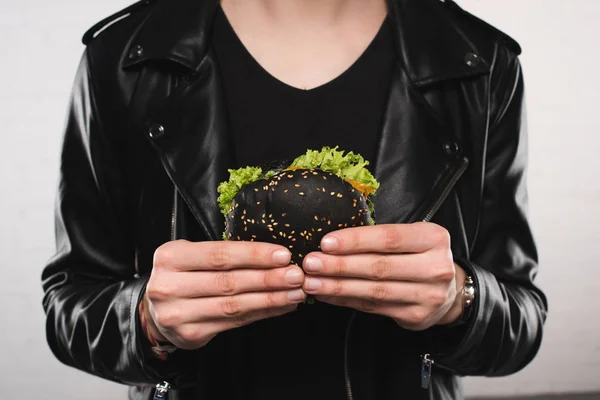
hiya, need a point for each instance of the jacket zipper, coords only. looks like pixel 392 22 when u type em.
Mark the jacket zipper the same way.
pixel 162 388
pixel 454 177
pixel 426 359
pixel 346 369
pixel 160 393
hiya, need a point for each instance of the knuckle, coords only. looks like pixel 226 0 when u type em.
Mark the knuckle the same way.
pixel 230 306
pixel 187 334
pixel 368 305
pixel 341 267
pixel 378 291
pixel 445 273
pixel 169 318
pixel 158 290
pixel 241 320
pixel 225 282
pixel 219 256
pixel 381 268
pixel 270 300
pixel 392 238
pixel 267 278
pixel 416 317
pixel 440 235
pixel 437 298
pixel 337 288
pixel 164 256
pixel 255 255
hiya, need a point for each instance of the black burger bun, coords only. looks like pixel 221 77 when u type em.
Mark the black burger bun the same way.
pixel 295 209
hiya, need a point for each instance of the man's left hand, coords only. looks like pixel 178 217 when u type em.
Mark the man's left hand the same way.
pixel 402 271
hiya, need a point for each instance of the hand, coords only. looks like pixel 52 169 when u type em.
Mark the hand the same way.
pixel 197 290
pixel 403 271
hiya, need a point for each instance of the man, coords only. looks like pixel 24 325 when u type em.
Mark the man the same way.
pixel 170 94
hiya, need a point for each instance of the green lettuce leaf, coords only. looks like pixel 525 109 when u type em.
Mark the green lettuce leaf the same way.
pixel 237 179
pixel 346 166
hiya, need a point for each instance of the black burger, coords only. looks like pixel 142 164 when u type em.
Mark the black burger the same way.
pixel 319 192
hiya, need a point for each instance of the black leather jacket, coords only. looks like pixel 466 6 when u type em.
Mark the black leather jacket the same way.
pixel 146 144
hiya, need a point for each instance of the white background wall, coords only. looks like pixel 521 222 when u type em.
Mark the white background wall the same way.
pixel 39 51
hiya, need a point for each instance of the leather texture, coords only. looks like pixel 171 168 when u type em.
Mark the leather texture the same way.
pixel 457 96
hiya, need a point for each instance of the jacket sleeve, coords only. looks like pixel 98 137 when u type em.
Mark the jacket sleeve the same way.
pixel 91 291
pixel 505 329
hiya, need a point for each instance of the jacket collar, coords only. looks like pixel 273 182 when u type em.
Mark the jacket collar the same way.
pixel 430 45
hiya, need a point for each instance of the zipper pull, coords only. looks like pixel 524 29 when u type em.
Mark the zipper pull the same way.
pixel 161 390
pixel 426 366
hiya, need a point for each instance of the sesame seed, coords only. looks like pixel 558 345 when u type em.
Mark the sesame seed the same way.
pixel 255 189
pixel 244 212
pixel 271 229
pixel 353 218
pixel 254 236
pixel 263 221
pixel 290 246
pixel 276 223
pixel 287 225
pixel 292 232
pixel 300 255
pixel 297 185
pixel 285 191
pixel 328 222
pixel 332 193
pixel 316 218
pixel 245 229
pixel 301 193
pixel 258 203
pixel 283 214
pixel 339 195
pixel 270 215
pixel 340 225
pixel 290 176
pixel 319 230
pixel 324 177
pixel 274 237
pixel 238 238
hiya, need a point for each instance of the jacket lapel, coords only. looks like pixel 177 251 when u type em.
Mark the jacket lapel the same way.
pixel 195 147
pixel 412 159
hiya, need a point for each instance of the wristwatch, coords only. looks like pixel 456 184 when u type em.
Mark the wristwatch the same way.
pixel 468 294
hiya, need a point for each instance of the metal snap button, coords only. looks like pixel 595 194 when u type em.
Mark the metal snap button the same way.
pixel 156 131
pixel 451 148
pixel 136 52
pixel 472 60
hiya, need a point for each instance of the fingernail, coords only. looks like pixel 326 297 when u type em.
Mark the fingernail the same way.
pixel 312 264
pixel 329 243
pixel 312 284
pixel 294 276
pixel 282 257
pixel 296 295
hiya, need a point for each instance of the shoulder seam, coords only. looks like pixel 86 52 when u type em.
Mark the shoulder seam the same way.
pixel 511 43
pixel 93 32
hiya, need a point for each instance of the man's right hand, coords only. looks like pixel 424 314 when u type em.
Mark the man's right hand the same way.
pixel 198 289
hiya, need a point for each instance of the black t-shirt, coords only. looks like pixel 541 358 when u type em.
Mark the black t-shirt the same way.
pixel 299 355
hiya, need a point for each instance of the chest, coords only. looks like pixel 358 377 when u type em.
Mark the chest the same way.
pixel 428 157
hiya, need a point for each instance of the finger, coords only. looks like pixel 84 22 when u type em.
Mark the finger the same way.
pixel 373 266
pixel 407 316
pixel 182 255
pixel 380 291
pixel 185 311
pixel 392 238
pixel 197 334
pixel 193 284
pixel 246 319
